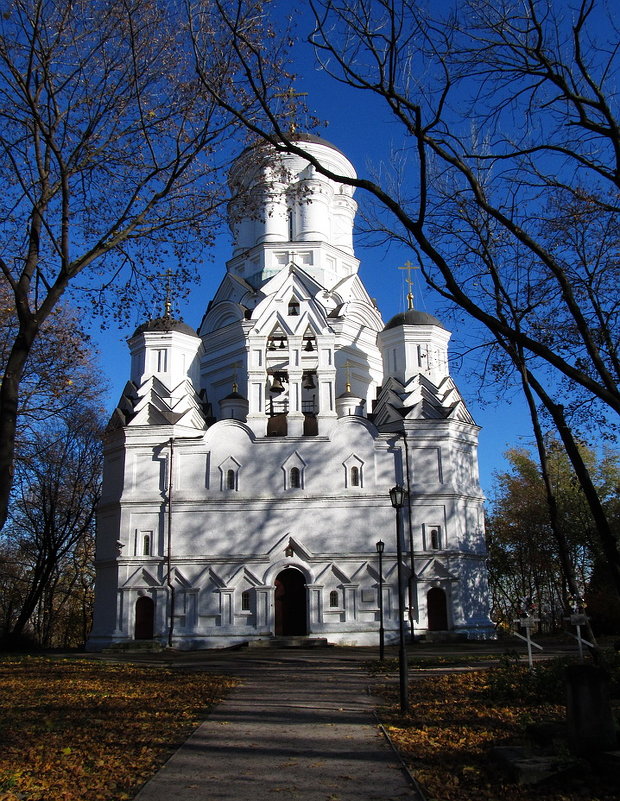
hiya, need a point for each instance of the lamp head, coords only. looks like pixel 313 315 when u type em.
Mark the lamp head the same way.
pixel 397 496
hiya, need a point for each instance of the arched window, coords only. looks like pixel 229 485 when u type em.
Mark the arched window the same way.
pixel 295 478
pixel 293 307
pixel 146 545
pixel 353 471
pixel 435 539
pixel 230 479
pixel 245 601
pixel 334 599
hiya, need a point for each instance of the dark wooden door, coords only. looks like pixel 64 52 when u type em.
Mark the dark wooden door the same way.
pixel 437 609
pixel 145 615
pixel 290 604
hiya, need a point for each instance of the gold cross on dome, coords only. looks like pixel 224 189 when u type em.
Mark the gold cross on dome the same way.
pixel 409 267
pixel 167 301
pixel 347 366
pixel 291 96
pixel 235 366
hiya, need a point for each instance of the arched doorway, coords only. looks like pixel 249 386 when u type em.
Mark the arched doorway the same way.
pixel 290 603
pixel 145 615
pixel 437 609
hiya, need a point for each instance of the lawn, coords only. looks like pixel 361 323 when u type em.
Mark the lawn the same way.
pixel 456 718
pixel 82 730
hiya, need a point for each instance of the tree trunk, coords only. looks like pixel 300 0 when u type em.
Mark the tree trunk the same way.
pixel 9 404
pixel 568 568
pixel 39 582
pixel 605 533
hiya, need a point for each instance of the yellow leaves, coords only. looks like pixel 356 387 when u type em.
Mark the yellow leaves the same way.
pixel 449 731
pixel 87 731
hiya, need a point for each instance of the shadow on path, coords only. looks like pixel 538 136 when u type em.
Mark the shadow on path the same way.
pixel 299 726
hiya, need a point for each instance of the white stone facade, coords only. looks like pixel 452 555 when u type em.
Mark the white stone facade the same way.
pixel 247 467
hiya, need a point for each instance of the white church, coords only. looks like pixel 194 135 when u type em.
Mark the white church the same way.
pixel 248 464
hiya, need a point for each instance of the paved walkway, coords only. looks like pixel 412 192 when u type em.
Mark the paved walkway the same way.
pixel 299 727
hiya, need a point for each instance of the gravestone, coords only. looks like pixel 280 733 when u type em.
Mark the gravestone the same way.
pixel 591 726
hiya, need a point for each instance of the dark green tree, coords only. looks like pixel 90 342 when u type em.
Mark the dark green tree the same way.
pixel 524 553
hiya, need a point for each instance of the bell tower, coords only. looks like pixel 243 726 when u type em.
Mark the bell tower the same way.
pixel 284 211
pixel 291 308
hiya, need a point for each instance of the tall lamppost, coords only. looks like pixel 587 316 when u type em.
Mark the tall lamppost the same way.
pixel 397 496
pixel 380 546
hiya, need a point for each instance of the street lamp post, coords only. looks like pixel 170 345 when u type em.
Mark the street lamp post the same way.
pixel 397 496
pixel 380 547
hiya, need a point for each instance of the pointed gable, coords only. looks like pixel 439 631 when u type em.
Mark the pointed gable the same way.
pixel 435 570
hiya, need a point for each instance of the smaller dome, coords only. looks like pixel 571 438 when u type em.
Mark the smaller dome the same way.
pixel 413 317
pixel 165 324
pixel 235 396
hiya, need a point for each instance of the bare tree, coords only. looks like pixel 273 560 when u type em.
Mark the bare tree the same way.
pixel 107 158
pixel 52 515
pixel 60 374
pixel 511 143
pixel 47 567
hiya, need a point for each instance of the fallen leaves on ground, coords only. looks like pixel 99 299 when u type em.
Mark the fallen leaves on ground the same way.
pixel 82 730
pixel 451 727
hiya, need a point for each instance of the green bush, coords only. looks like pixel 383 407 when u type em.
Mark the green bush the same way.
pixel 513 682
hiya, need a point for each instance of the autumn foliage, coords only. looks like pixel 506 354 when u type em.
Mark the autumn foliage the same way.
pixel 90 731
pixel 455 719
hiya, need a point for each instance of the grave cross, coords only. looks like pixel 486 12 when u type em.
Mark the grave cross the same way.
pixel 578 618
pixel 528 622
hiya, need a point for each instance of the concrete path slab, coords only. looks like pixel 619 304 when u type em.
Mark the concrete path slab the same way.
pixel 299 727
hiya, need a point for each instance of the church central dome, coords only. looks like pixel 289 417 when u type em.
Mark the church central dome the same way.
pixel 284 210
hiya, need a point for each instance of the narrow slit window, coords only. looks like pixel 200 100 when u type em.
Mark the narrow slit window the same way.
pixel 295 478
pixel 230 479
pixel 162 361
pixel 435 539
pixel 146 545
pixel 290 225
pixel 355 476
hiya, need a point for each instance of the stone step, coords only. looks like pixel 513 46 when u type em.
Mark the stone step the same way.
pixel 289 642
pixel 141 646
pixel 443 636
